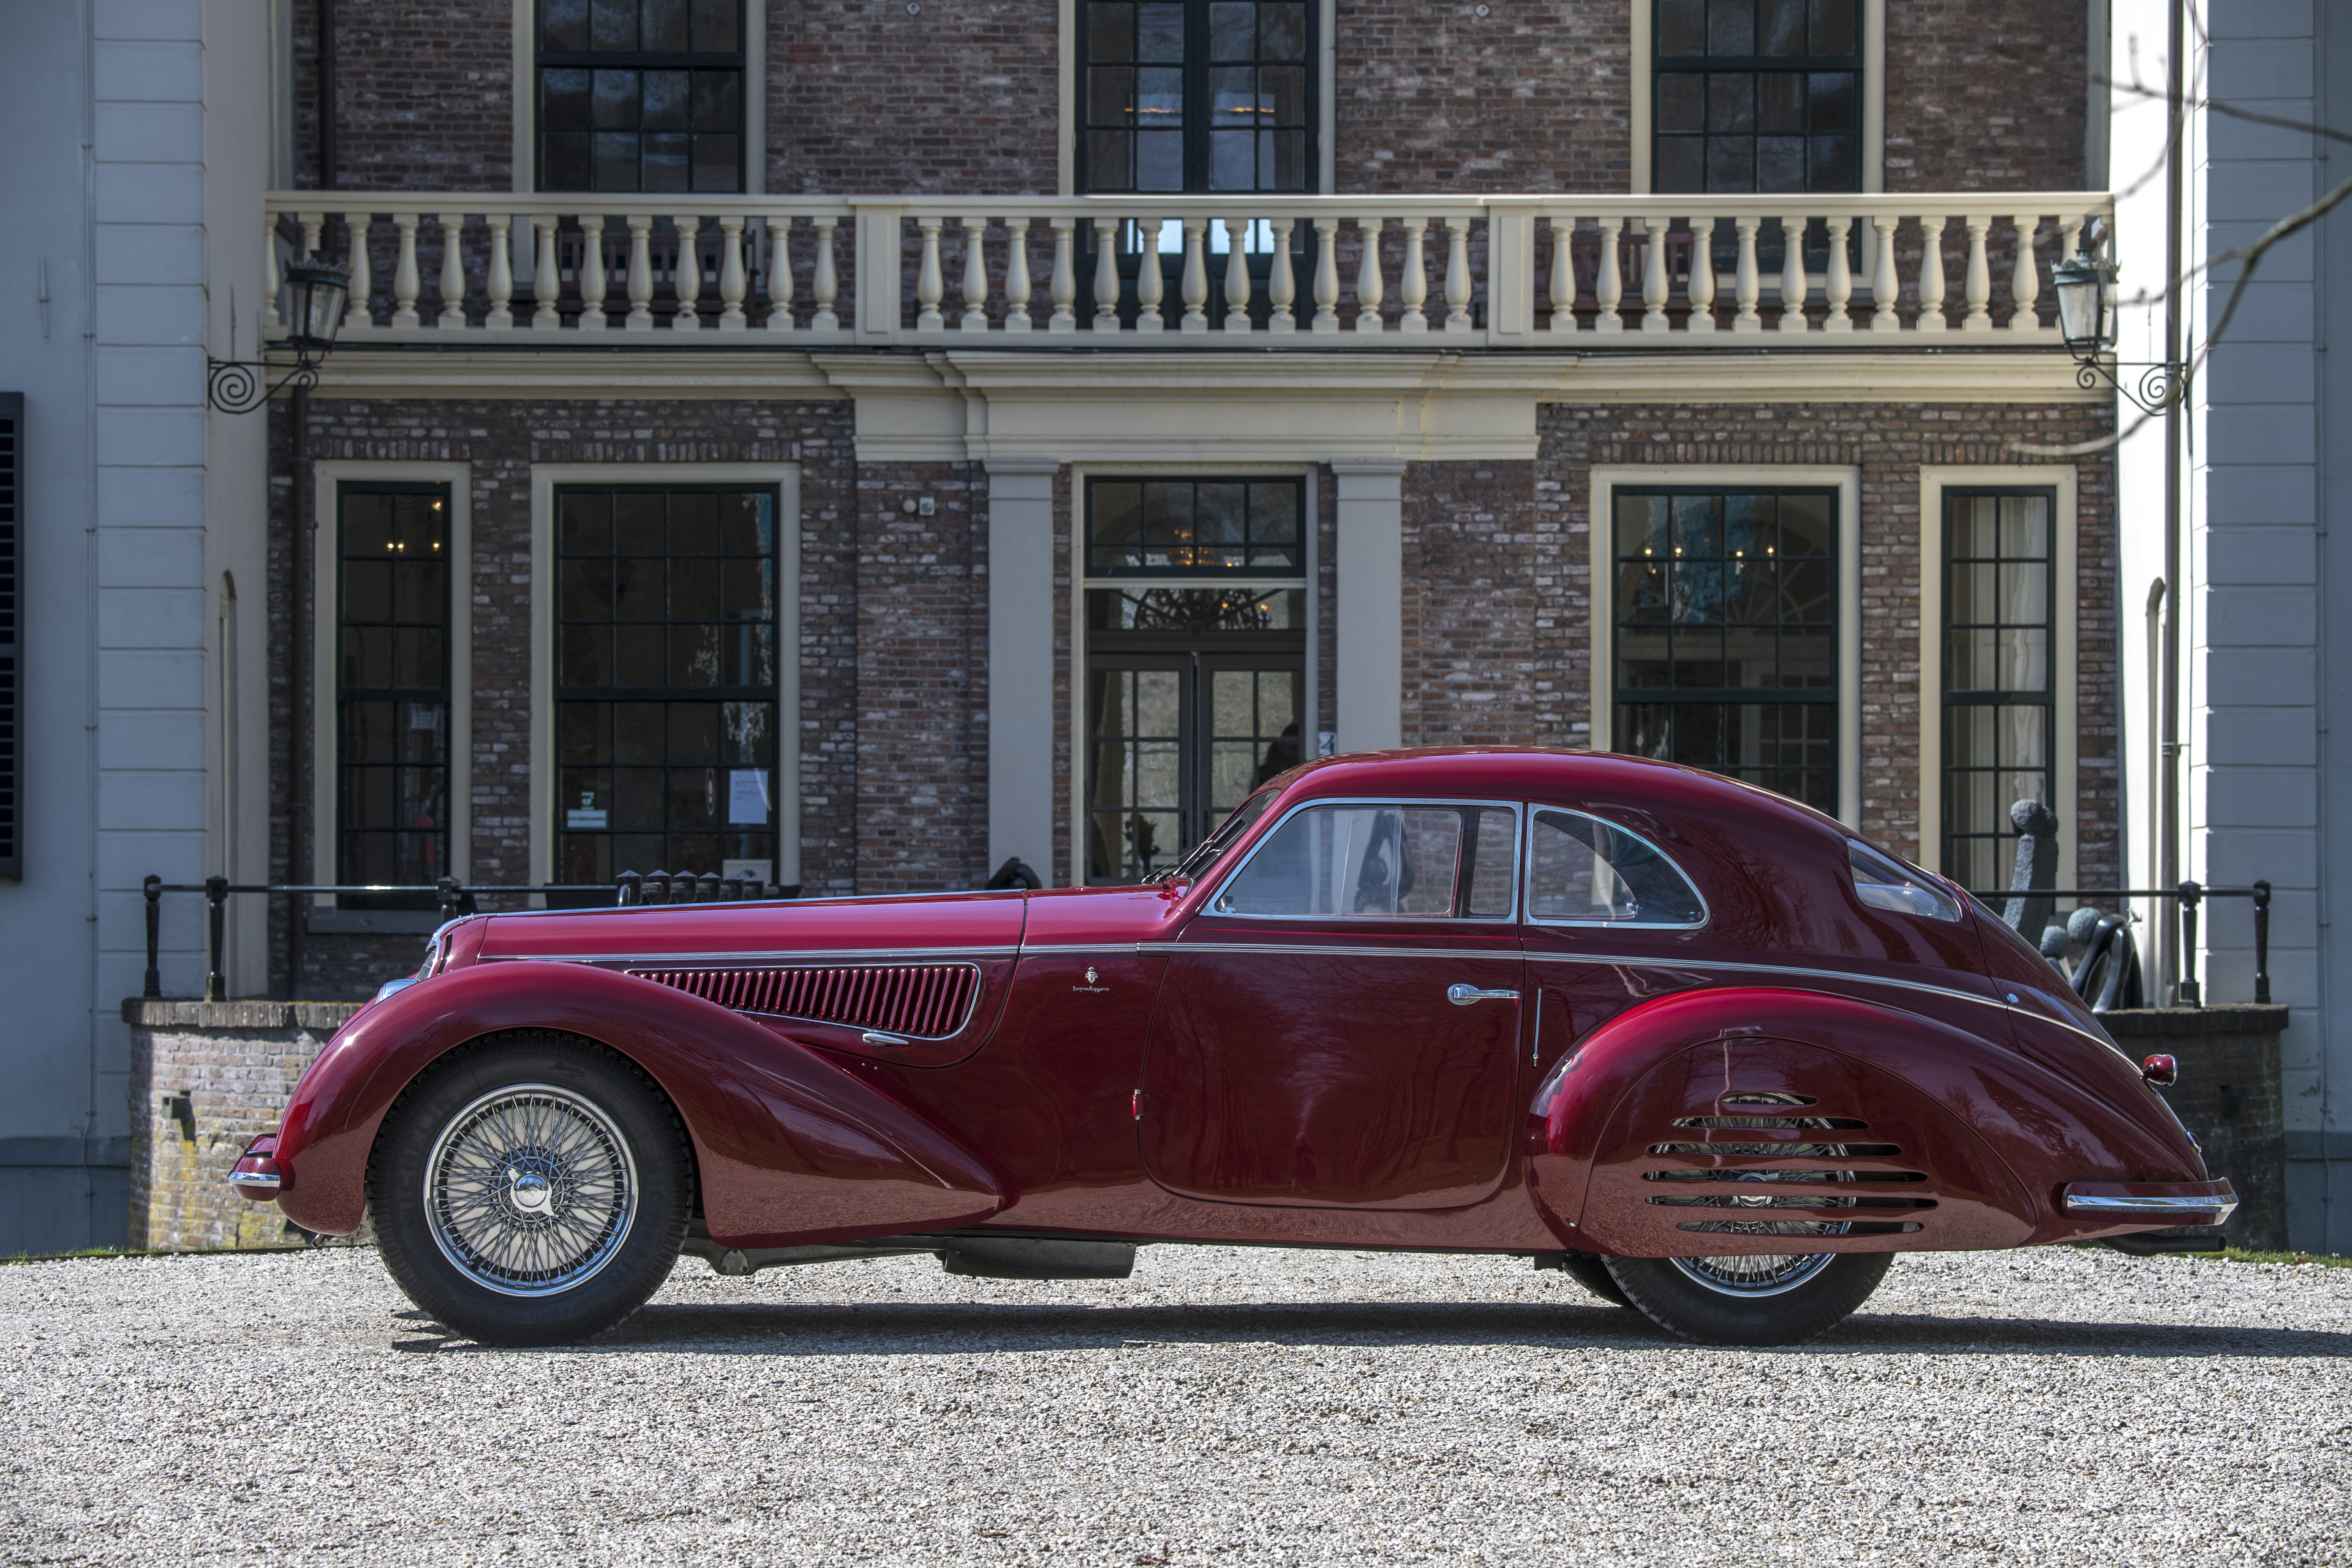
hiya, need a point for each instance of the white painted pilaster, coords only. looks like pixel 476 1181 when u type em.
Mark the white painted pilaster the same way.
pixel 1021 664
pixel 1369 563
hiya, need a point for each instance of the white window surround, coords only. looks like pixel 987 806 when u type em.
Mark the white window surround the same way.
pixel 1873 95
pixel 1326 118
pixel 1601 509
pixel 2065 684
pixel 755 103
pixel 1075 707
pixel 786 479
pixel 332 474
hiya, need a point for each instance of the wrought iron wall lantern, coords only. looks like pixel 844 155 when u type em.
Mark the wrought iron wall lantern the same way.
pixel 317 295
pixel 2085 287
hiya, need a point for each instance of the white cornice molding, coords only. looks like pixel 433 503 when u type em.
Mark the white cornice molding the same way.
pixel 590 374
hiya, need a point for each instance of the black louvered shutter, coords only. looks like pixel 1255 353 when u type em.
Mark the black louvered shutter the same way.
pixel 12 636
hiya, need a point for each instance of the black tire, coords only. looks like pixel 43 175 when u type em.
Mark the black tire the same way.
pixel 531 1189
pixel 1696 1303
pixel 1589 1270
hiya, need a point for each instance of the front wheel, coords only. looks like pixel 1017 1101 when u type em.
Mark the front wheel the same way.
pixel 1770 1299
pixel 531 1189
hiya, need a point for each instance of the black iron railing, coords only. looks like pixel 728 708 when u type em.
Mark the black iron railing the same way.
pixel 2192 895
pixel 452 898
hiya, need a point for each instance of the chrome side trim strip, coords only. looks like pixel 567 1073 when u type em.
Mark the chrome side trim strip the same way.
pixel 1315 949
pixel 846 958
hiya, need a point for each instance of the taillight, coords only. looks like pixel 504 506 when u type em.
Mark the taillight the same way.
pixel 2160 1071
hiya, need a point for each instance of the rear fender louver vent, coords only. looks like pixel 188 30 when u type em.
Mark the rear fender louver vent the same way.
pixel 1767 1188
pixel 921 1001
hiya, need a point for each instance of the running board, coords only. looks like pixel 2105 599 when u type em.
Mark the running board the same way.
pixel 974 1256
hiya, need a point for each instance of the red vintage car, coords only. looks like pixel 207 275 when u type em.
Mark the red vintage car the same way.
pixel 1697 1045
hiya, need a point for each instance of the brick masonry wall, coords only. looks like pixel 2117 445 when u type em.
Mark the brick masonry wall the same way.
pixel 501 440
pixel 1527 97
pixel 1986 97
pixel 1470 605
pixel 1889 444
pixel 236 1063
pixel 424 96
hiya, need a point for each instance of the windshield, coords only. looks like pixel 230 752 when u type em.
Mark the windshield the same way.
pixel 1204 854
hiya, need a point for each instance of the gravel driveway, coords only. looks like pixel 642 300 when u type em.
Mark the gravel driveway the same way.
pixel 1225 1406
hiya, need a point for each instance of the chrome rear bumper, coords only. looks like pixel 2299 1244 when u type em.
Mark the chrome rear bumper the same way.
pixel 2159 1203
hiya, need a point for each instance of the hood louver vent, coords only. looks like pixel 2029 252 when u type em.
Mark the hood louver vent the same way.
pixel 921 1001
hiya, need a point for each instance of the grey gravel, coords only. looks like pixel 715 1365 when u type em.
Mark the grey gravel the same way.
pixel 1224 1406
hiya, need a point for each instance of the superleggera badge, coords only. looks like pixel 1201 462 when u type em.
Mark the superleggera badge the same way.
pixel 1091 986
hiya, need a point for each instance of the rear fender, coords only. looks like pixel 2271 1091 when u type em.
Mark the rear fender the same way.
pixel 1986 1136
pixel 791 1148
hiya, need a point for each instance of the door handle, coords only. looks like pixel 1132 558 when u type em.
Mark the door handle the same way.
pixel 1469 995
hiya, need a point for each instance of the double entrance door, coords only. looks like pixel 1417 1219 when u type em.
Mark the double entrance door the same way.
pixel 1179 736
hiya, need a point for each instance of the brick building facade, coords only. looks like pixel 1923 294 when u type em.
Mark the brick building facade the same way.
pixel 949 638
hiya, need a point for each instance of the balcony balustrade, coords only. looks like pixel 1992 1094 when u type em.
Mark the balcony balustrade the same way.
pixel 1192 272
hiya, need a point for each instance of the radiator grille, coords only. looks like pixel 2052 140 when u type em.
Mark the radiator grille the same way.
pixel 921 1001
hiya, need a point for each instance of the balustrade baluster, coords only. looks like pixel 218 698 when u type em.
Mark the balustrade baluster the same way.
pixel 1653 274
pixel 269 279
pixel 1370 286
pixel 1979 286
pixel 593 282
pixel 928 288
pixel 1746 280
pixel 1931 274
pixel 1563 274
pixel 502 284
pixel 314 227
pixel 405 280
pixel 730 275
pixel 2070 233
pixel 1064 287
pixel 453 271
pixel 1195 284
pixel 1457 275
pixel 1412 279
pixel 1237 278
pixel 1700 287
pixel 1837 283
pixel 641 273
pixel 2025 284
pixel 1105 274
pixel 1609 287
pixel 975 274
pixel 359 313
pixel 1885 288
pixel 1794 284
pixel 685 277
pixel 779 275
pixel 1016 276
pixel 1326 274
pixel 1282 281
pixel 1150 278
pixel 826 287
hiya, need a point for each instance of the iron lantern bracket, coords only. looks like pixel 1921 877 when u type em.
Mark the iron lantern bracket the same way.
pixel 235 386
pixel 2159 385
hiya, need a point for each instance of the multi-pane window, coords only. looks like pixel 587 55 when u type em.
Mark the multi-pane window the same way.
pixel 1758 95
pixel 666 682
pixel 1195 621
pixel 641 95
pixel 2000 708
pixel 1197 95
pixel 391 688
pixel 1727 633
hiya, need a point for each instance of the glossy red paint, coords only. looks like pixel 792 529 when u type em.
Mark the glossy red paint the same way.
pixel 1137 1066
pixel 787 1144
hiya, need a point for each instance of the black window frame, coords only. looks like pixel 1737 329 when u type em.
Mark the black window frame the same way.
pixel 398 695
pixel 544 60
pixel 1948 697
pixel 1806 65
pixel 1823 702
pixel 562 693
pixel 12 636
pixel 1197 109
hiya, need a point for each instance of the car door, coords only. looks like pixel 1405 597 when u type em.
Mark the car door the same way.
pixel 1340 1026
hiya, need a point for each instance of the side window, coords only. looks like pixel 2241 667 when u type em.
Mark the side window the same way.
pixel 1582 870
pixel 1883 882
pixel 1382 860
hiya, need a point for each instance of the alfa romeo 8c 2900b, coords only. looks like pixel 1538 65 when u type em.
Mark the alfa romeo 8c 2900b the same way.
pixel 1700 1046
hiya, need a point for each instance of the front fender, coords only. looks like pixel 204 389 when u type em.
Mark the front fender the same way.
pixel 791 1149
pixel 1949 1140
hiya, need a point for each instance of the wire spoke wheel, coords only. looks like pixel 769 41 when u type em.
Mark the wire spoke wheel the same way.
pixel 531 1189
pixel 1758 1274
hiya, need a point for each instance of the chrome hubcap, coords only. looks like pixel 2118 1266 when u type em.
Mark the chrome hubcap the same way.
pixel 530 1190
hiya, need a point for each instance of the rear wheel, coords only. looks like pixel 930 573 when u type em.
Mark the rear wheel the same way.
pixel 1764 1300
pixel 533 1189
pixel 1592 1272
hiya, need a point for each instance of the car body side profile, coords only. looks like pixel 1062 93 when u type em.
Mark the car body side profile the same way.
pixel 1700 1046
